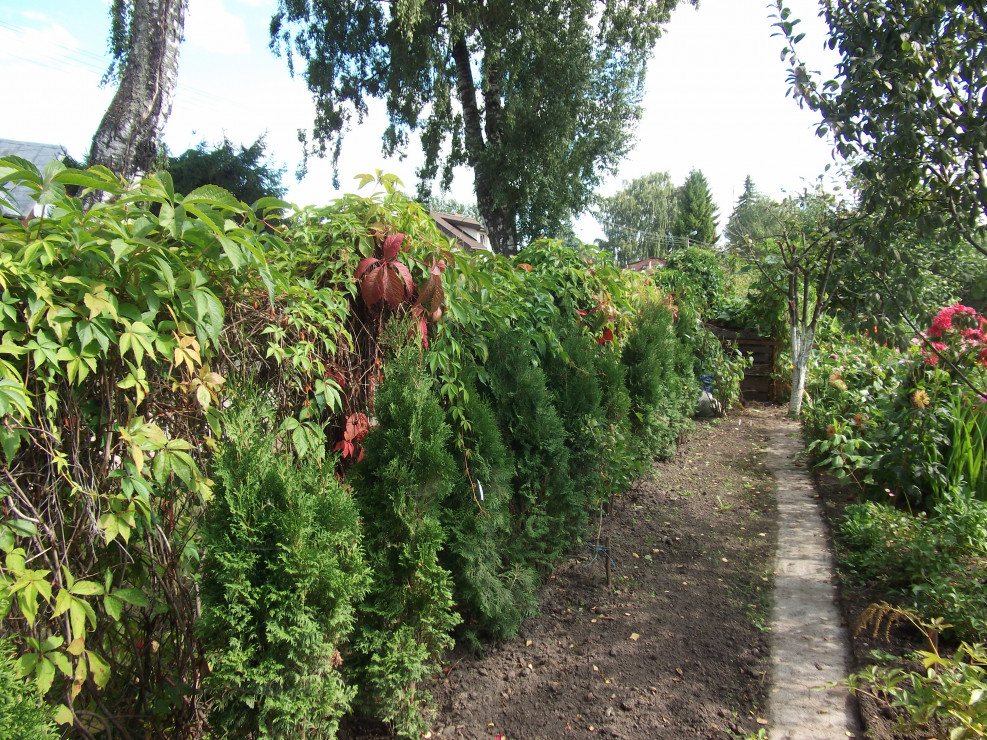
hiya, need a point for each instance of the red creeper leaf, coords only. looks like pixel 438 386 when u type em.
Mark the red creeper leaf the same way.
pixel 393 289
pixel 374 285
pixel 405 274
pixel 365 264
pixel 392 245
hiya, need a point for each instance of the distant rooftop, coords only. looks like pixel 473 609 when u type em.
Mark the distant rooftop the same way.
pixel 40 155
pixel 469 232
pixel 651 263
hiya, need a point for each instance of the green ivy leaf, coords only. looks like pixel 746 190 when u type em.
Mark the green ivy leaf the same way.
pixel 133 596
pixel 214 195
pixel 99 668
pixel 86 588
pixel 113 606
pixel 63 715
pixel 62 663
pixel 26 664
pixel 44 675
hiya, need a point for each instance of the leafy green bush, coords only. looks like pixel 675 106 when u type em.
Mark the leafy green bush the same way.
pixel 282 574
pixel 407 618
pixel 696 276
pixel 660 380
pixel 951 691
pixel 724 364
pixel 112 322
pixel 493 592
pixel 549 513
pixel 936 564
pixel 119 325
pixel 572 380
pixel 22 715
pixel 905 424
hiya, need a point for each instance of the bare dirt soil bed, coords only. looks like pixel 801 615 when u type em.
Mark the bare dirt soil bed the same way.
pixel 676 648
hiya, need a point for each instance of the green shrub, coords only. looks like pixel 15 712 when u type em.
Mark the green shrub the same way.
pixel 660 380
pixel 407 618
pixel 493 592
pixel 549 513
pixel 696 276
pixel 895 422
pixel 935 564
pixel 578 398
pixel 282 573
pixel 950 693
pixel 22 714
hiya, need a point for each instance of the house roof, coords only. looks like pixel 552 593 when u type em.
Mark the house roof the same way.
pixel 648 264
pixel 452 224
pixel 38 153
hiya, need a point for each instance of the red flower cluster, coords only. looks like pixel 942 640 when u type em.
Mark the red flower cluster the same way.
pixel 961 328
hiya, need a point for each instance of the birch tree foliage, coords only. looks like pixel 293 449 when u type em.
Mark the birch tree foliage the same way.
pixel 539 99
pixel 638 219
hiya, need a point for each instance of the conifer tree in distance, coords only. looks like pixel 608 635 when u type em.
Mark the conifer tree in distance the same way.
pixel 697 216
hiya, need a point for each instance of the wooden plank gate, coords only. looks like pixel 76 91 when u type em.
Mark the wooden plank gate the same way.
pixel 757 385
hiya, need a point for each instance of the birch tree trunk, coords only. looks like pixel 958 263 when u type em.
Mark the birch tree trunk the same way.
pixel 128 136
pixel 499 219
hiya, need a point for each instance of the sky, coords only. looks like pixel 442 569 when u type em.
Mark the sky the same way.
pixel 715 98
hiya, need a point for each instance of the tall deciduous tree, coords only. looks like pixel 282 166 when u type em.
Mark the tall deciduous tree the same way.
pixel 145 38
pixel 907 108
pixel 696 219
pixel 538 97
pixel 638 220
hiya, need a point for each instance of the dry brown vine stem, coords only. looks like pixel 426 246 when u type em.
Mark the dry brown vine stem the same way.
pixel 887 614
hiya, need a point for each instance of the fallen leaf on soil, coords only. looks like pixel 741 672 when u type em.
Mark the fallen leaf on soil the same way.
pixel 635 636
pixel 762 721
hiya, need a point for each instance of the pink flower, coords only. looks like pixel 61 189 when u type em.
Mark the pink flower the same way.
pixel 974 335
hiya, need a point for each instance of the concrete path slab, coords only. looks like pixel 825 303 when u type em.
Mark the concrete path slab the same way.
pixel 809 646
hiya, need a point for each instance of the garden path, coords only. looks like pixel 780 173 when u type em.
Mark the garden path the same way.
pixel 809 647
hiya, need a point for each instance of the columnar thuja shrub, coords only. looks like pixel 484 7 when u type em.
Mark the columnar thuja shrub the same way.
pixel 493 591
pixel 549 512
pixel 578 389
pixel 406 620
pixel 283 573
pixel 660 380
pixel 22 714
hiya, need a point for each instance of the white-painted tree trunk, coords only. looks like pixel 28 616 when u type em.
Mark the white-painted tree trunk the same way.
pixel 128 136
pixel 801 345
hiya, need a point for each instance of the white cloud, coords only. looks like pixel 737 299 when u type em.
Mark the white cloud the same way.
pixel 210 26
